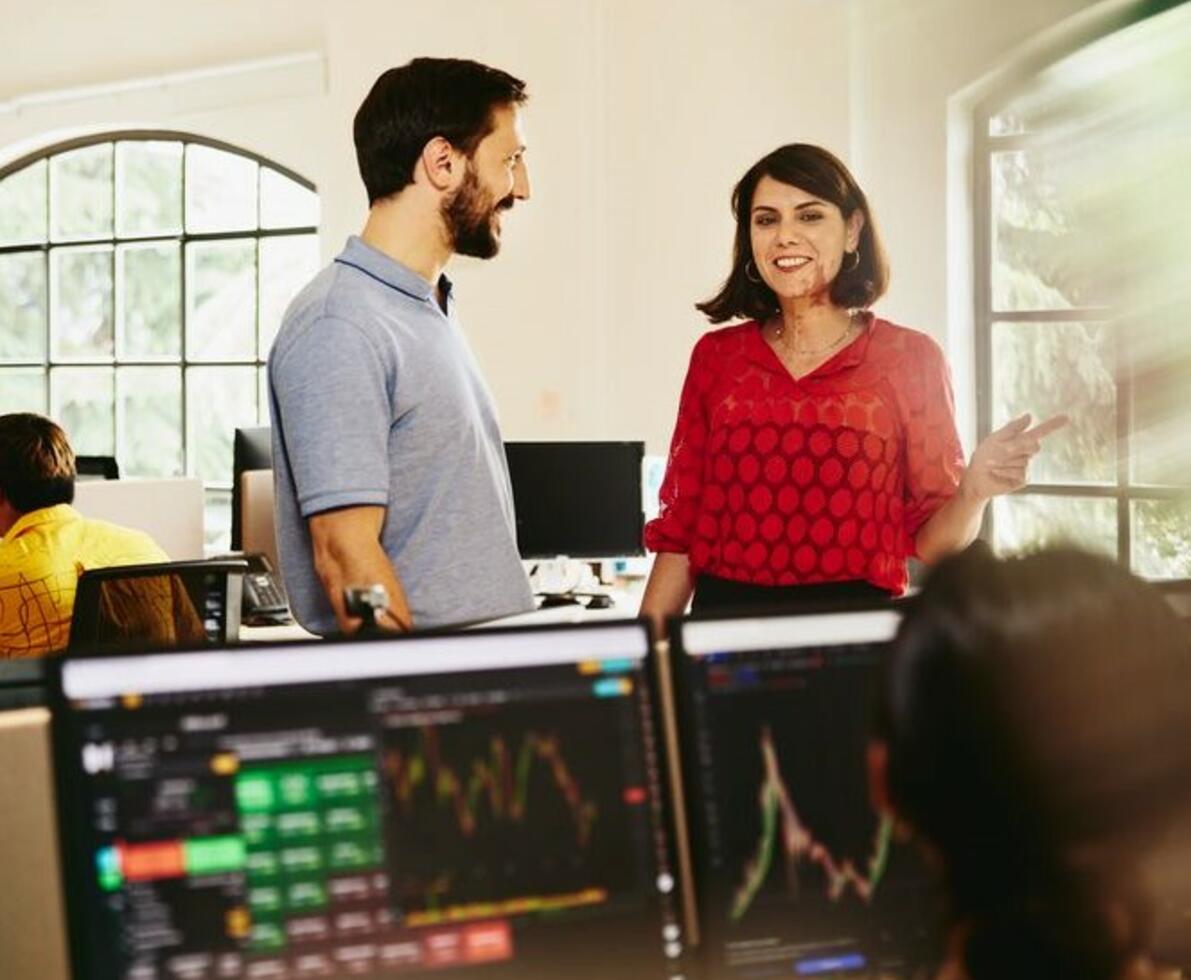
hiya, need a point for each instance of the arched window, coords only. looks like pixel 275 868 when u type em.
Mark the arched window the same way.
pixel 1082 204
pixel 143 276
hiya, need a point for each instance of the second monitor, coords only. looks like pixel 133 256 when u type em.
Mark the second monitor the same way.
pixel 578 499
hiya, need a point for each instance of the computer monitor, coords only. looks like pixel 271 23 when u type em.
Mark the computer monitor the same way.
pixel 158 606
pixel 796 874
pixel 97 468
pixel 169 510
pixel 252 449
pixel 486 804
pixel 578 499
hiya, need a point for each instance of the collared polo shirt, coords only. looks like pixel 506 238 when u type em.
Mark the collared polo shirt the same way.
pixel 41 558
pixel 377 399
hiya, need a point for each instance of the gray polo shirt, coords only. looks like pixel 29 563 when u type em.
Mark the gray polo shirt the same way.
pixel 376 398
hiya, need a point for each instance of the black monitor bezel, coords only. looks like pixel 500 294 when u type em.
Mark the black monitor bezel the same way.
pixel 681 666
pixel 627 445
pixel 68 804
pixel 246 455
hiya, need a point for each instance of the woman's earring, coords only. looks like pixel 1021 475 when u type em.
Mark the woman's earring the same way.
pixel 753 277
pixel 844 267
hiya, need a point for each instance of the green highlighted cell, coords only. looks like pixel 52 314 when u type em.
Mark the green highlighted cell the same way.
pixel 254 792
pixel 300 859
pixel 351 855
pixel 303 895
pixel 262 864
pixel 213 855
pixel 295 789
pixel 258 829
pixel 340 785
pixel 301 823
pixel 266 936
pixel 264 898
pixel 349 819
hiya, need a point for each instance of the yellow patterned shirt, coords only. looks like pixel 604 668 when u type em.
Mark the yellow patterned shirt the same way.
pixel 41 558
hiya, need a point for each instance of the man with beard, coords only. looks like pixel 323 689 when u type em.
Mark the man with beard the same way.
pixel 388 462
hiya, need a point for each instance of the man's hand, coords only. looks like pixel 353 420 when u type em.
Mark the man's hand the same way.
pixel 348 553
pixel 1000 462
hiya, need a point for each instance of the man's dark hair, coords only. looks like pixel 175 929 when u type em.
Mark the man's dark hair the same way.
pixel 408 106
pixel 814 170
pixel 36 462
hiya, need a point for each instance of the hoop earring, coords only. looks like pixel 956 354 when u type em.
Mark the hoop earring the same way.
pixel 755 277
pixel 844 267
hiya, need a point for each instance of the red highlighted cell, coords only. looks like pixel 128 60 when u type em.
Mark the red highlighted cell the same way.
pixel 149 862
pixel 488 942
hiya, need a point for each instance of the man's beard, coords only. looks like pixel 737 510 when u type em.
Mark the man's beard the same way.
pixel 468 216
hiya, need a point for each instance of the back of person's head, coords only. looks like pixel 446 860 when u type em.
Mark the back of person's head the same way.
pixel 36 462
pixel 1038 724
pixel 408 106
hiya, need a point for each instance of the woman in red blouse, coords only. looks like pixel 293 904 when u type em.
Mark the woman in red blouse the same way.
pixel 815 447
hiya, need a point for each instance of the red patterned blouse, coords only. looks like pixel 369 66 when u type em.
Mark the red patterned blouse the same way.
pixel 777 481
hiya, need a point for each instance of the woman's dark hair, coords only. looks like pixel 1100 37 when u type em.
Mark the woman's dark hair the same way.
pixel 408 106
pixel 818 172
pixel 37 466
pixel 1038 726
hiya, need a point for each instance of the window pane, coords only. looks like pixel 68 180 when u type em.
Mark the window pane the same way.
pixel 285 203
pixel 81 302
pixel 287 264
pixel 218 400
pixel 1006 124
pixel 1053 368
pixel 1036 253
pixel 1160 351
pixel 23 205
pixel 1024 522
pixel 81 193
pixel 220 190
pixel 22 306
pixel 148 188
pixel 150 421
pixel 22 390
pixel 217 521
pixel 221 300
pixel 150 322
pixel 82 401
pixel 1162 538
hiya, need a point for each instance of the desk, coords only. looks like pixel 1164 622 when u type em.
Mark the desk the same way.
pixel 626 603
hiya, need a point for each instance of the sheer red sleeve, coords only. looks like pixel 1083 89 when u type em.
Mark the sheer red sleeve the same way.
pixel 682 485
pixel 933 453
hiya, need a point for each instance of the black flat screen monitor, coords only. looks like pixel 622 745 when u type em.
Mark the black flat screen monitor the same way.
pixel 158 606
pixel 252 449
pixel 483 805
pixel 97 467
pixel 796 874
pixel 578 499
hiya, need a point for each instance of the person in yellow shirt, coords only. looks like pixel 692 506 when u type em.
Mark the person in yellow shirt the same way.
pixel 45 544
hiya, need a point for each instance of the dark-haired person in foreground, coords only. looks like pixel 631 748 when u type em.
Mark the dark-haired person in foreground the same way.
pixel 45 544
pixel 1036 739
pixel 815 447
pixel 388 460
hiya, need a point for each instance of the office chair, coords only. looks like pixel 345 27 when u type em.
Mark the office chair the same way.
pixel 163 606
pixel 97 467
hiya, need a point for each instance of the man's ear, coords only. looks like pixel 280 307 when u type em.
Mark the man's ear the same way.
pixel 441 164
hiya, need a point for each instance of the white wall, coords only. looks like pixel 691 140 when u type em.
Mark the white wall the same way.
pixel 642 116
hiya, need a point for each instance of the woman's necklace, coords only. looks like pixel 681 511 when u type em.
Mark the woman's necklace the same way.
pixel 780 329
